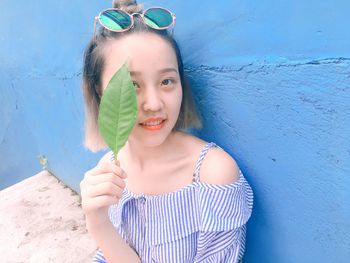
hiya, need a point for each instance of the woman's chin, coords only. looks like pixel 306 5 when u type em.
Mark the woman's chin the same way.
pixel 151 138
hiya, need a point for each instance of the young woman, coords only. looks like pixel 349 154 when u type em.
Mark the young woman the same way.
pixel 174 197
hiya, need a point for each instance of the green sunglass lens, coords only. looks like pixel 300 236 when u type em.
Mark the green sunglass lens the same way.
pixel 158 18
pixel 115 20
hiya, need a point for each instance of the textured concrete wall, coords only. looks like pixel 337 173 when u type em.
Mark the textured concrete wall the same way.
pixel 271 79
pixel 40 71
pixel 288 127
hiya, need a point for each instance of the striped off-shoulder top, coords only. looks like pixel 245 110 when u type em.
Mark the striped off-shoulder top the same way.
pixel 198 223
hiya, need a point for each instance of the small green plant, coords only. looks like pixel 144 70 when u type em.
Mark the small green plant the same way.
pixel 43 161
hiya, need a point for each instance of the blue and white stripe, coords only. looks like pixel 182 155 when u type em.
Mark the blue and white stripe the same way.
pixel 198 223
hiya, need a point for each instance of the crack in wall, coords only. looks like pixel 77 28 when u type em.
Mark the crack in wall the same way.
pixel 263 65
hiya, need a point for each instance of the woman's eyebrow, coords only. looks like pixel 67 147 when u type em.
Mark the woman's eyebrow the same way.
pixel 164 70
pixel 167 70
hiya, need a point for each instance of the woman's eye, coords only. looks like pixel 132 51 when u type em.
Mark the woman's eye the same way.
pixel 167 82
pixel 135 84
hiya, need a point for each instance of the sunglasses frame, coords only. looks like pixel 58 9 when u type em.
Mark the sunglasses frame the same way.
pixel 98 19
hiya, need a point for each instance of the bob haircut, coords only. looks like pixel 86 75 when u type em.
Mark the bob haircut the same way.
pixel 93 68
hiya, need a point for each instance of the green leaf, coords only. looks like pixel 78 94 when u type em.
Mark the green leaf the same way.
pixel 118 110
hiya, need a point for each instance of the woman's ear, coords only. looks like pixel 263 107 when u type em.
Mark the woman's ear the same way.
pixel 99 92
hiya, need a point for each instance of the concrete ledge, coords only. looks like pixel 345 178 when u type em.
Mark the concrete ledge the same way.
pixel 41 220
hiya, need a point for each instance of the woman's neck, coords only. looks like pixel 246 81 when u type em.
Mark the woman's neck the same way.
pixel 143 157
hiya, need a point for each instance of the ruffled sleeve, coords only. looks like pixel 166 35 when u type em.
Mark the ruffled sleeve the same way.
pixel 99 258
pixel 224 211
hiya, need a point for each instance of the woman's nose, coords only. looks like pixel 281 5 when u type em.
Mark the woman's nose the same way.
pixel 152 100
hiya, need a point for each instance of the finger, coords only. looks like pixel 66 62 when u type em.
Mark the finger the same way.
pixel 113 168
pixel 99 202
pixel 105 188
pixel 106 177
pixel 105 168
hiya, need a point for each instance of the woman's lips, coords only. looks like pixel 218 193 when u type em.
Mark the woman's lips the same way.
pixel 153 127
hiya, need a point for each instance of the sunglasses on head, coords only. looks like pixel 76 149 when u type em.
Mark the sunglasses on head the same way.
pixel 117 20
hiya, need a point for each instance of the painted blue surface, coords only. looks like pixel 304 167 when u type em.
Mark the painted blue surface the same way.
pixel 272 80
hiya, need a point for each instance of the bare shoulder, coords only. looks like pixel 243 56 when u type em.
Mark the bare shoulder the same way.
pixel 106 157
pixel 218 167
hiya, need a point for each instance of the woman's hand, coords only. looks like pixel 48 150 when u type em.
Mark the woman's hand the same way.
pixel 101 187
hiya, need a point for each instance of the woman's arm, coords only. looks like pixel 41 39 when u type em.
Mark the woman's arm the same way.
pixel 102 187
pixel 113 246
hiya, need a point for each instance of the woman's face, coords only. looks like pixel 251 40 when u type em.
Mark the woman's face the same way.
pixel 154 70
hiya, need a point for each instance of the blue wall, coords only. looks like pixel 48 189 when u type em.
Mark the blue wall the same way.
pixel 272 80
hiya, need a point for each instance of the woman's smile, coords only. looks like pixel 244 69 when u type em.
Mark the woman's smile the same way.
pixel 153 124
